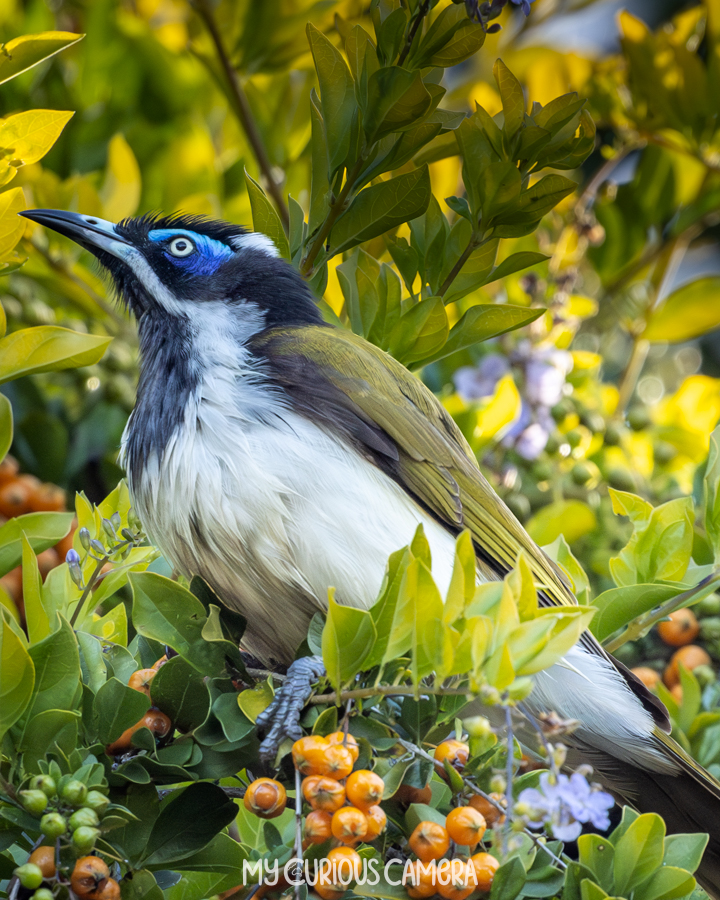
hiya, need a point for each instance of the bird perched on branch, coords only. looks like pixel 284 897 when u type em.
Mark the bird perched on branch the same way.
pixel 275 455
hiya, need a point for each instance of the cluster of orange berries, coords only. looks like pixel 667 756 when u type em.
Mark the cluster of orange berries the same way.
pixel 679 630
pixel 90 878
pixel 156 721
pixel 20 494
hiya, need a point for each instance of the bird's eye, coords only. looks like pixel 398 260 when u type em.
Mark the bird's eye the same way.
pixel 181 246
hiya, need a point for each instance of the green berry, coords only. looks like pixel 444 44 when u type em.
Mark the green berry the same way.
pixel 709 606
pixel 638 418
pixel 34 801
pixel 30 876
pixel 75 793
pixel 83 817
pixel 477 726
pixel 53 825
pixel 84 838
pixel 613 434
pixel 594 421
pixel 664 452
pixel 581 473
pixel 97 802
pixel 43 894
pixel 621 479
pixel 44 783
pixel 574 437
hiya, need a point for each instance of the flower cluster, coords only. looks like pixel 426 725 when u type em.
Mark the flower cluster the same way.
pixel 483 12
pixel 564 804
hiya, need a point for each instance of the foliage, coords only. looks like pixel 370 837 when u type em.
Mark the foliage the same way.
pixel 548 319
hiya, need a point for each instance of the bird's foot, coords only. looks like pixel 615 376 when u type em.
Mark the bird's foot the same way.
pixel 281 718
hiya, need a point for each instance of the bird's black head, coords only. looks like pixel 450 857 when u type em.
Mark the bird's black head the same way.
pixel 173 265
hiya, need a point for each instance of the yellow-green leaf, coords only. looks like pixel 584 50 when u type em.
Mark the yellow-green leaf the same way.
pixel 47 348
pixel 27 136
pixel 265 218
pixel 26 51
pixel 571 518
pixel 6 425
pixel 38 621
pixel 688 312
pixel 121 191
pixel 347 639
pixel 17 677
pixel 11 225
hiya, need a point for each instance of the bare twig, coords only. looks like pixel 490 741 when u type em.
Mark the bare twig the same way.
pixel 386 690
pixel 422 11
pixel 242 108
pixel 298 828
pixel 474 242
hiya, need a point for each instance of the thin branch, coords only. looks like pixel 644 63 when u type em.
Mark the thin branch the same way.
pixel 385 690
pixel 242 108
pixel 510 750
pixel 473 244
pixel 306 266
pixel 638 627
pixel 298 828
pixel 422 11
pixel 601 176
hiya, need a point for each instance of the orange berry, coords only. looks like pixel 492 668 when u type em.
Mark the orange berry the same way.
pixel 648 676
pixel 12 583
pixel 44 858
pixel 364 789
pixel 691 656
pixel 47 498
pixel 266 798
pixel 677 693
pixel 328 891
pixel 346 864
pixel 14 498
pixel 309 755
pixel 377 822
pixel 140 680
pixel 110 891
pixel 89 877
pixel 487 810
pixel 429 841
pixel 465 825
pixel 8 469
pixel 423 880
pixel 339 761
pixel 322 792
pixel 317 826
pixel 349 825
pixel 680 628
pixel 455 752
pixel 153 719
pixel 347 740
pixel 460 881
pixel 159 663
pixel 485 868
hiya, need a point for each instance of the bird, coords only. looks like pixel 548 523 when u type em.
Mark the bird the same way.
pixel 275 455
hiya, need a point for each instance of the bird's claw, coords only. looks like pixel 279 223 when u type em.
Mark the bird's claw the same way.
pixel 283 714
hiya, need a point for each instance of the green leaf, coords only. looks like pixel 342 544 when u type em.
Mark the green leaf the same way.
pixel 337 97
pixel 420 333
pixel 36 616
pixel 686 313
pixel 515 262
pixel 685 850
pixel 480 323
pixel 6 426
pixel 597 853
pixel 711 485
pixel 142 886
pixel 47 348
pixel 639 852
pixel 265 217
pixel 12 227
pixel 43 731
pixel 165 611
pixel 17 677
pixel 397 99
pixel 22 53
pixel 383 610
pixel 188 823
pixel 513 100
pixel 668 883
pixel 380 207
pixel 222 854
pixel 116 708
pixel 571 518
pixel 618 606
pixel 509 880
pixel 180 692
pixel 347 639
pixel 42 530
pixel 450 39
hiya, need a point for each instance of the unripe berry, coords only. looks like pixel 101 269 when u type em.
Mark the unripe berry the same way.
pixel 29 876
pixel 75 793
pixel 84 838
pixel 43 894
pixel 53 825
pixel 44 783
pixel 97 802
pixel 34 802
pixel 84 817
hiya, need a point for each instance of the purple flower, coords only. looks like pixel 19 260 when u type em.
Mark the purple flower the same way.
pixel 473 382
pixel 72 558
pixel 566 804
pixel 524 5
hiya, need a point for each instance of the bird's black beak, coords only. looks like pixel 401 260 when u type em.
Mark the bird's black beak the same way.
pixel 96 235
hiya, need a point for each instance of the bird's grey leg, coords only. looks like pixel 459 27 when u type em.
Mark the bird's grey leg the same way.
pixel 283 715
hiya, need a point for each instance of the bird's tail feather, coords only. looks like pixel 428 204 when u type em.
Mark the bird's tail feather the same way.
pixel 688 802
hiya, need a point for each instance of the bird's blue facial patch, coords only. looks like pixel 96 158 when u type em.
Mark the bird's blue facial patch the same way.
pixel 204 257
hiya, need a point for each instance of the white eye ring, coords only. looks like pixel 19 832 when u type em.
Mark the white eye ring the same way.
pixel 181 246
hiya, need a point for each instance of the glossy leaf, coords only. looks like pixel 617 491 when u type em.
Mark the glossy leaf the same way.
pixel 11 230
pixel 47 348
pixel 17 677
pixel 571 518
pixel 639 852
pixel 27 136
pixel 686 313
pixel 116 708
pixel 396 99
pixel 36 616
pixel 347 640
pixel 22 53
pixel 265 217
pixel 43 530
pixel 6 426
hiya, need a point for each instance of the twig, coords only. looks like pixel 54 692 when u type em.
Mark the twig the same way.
pixel 510 750
pixel 298 828
pixel 385 690
pixel 242 108
pixel 638 627
pixel 422 11
pixel 474 242
pixel 338 206
pixel 601 176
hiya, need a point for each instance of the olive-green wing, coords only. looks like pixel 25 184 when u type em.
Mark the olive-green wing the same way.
pixel 357 388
